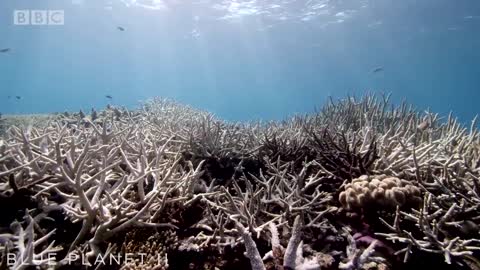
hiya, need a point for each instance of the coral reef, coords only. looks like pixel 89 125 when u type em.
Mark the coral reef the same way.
pixel 358 185
pixel 26 121
pixel 378 189
pixel 149 249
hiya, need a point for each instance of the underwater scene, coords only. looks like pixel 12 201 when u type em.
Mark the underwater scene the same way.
pixel 239 134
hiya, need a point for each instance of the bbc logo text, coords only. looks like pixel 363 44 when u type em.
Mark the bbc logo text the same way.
pixel 38 17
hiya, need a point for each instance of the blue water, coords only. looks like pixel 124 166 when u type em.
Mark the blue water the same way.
pixel 242 60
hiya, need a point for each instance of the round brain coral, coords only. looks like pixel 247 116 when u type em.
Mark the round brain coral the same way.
pixel 378 190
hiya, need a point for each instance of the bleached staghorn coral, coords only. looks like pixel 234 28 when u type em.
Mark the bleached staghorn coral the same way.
pixel 445 232
pixel 121 169
pixel 23 243
pixel 94 167
pixel 292 257
pixel 357 258
pixel 442 158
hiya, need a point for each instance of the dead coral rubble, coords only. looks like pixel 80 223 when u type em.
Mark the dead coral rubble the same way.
pixel 358 185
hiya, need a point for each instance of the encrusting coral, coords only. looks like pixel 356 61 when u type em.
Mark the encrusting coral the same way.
pixel 148 249
pixel 358 185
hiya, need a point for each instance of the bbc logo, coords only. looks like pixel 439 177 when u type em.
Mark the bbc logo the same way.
pixel 38 17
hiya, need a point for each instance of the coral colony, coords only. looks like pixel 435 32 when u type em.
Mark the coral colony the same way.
pixel 360 184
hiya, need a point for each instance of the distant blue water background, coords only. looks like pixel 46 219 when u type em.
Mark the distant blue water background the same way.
pixel 242 60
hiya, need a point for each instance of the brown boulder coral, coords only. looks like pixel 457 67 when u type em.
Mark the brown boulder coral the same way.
pixel 378 190
pixel 149 251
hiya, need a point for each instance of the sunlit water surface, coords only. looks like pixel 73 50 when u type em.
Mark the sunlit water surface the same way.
pixel 242 60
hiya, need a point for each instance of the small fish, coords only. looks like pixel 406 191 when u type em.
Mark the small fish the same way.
pixel 424 125
pixel 28 131
pixel 5 50
pixel 120 28
pixel 108 96
pixel 18 97
pixel 44 146
pixel 200 187
pixel 9 97
pixel 378 69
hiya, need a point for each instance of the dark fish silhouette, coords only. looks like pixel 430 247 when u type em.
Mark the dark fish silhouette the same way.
pixel 5 50
pixel 378 69
pixel 18 97
pixel 120 28
pixel 108 96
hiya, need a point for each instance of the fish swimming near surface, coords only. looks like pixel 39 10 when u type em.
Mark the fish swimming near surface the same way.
pixel 18 97
pixel 377 69
pixel 5 50
pixel 120 28
pixel 108 96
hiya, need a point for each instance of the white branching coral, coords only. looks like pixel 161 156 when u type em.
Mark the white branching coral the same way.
pixel 94 167
pixel 290 258
pixel 167 166
pixel 24 243
pixel 251 248
pixel 357 258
